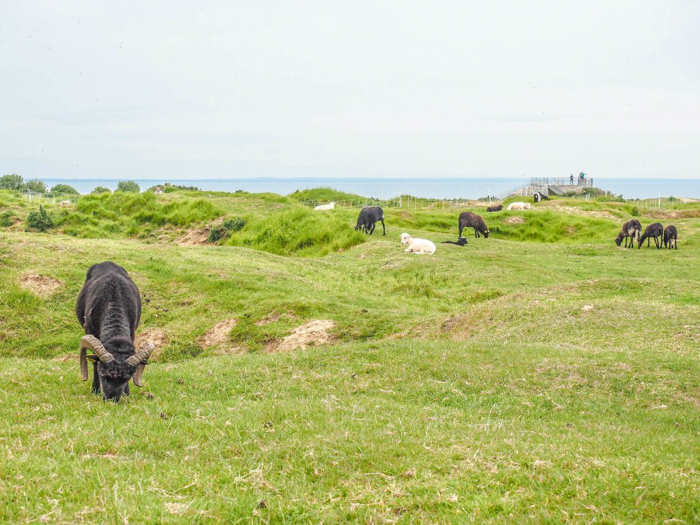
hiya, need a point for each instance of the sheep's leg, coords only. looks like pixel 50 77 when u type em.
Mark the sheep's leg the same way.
pixel 383 227
pixel 126 390
pixel 460 231
pixel 95 379
pixel 408 250
pixel 372 226
pixel 476 233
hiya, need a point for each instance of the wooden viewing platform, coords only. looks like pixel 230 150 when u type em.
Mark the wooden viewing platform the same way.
pixel 550 186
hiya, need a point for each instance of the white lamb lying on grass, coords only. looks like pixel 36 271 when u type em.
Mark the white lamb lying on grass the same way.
pixel 519 206
pixel 417 245
pixel 323 207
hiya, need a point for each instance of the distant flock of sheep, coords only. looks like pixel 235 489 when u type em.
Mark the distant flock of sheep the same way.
pixel 631 230
pixel 109 304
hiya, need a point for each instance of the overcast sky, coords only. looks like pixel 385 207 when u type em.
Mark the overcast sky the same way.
pixel 166 89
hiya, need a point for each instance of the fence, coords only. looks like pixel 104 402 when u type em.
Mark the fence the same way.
pixel 47 197
pixel 404 202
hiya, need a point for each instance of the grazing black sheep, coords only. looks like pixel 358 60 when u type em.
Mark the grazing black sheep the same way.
pixel 499 207
pixel 109 309
pixel 468 219
pixel 367 220
pixel 671 237
pixel 539 196
pixel 630 230
pixel 656 231
pixel 459 242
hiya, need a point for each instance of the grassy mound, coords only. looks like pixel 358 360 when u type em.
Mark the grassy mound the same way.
pixel 131 214
pixel 548 226
pixel 324 195
pixel 297 231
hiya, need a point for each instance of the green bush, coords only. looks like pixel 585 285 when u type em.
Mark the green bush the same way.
pixel 12 182
pixel 128 186
pixel 101 189
pixel 225 229
pixel 6 219
pixel 36 186
pixel 40 220
pixel 64 189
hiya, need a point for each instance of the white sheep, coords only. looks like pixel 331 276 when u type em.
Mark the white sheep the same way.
pixel 417 245
pixel 323 207
pixel 519 206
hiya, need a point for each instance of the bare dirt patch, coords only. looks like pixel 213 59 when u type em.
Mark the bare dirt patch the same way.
pixel 516 219
pixel 156 336
pixel 198 237
pixel 313 333
pixel 219 336
pixel 195 237
pixel 41 285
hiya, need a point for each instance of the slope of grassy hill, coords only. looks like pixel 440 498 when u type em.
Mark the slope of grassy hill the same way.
pixel 553 380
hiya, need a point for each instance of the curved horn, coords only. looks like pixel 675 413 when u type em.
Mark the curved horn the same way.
pixel 139 360
pixel 93 343
pixel 83 363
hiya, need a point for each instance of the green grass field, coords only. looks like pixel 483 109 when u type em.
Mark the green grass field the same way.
pixel 543 375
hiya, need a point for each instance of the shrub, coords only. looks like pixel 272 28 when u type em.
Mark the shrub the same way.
pixel 225 229
pixel 12 182
pixel 101 189
pixel 6 219
pixel 36 186
pixel 40 220
pixel 64 189
pixel 128 186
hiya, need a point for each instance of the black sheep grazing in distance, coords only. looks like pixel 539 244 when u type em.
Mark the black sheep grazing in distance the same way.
pixel 367 220
pixel 656 231
pixel 495 208
pixel 630 230
pixel 109 309
pixel 671 237
pixel 539 196
pixel 468 219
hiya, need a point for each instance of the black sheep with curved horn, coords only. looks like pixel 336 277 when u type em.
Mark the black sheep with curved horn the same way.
pixel 109 309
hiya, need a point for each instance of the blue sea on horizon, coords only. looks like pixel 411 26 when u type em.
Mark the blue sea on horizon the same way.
pixel 384 188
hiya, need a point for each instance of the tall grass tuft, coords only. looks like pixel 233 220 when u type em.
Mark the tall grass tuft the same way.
pixel 122 213
pixel 297 231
